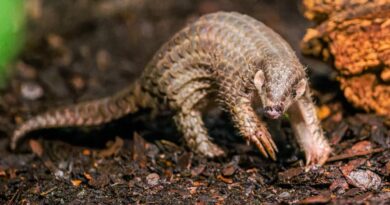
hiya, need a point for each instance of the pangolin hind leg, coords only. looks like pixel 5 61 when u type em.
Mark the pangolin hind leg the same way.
pixel 195 133
pixel 189 121
pixel 307 130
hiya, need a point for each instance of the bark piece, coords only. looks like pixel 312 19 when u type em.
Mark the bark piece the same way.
pixel 356 36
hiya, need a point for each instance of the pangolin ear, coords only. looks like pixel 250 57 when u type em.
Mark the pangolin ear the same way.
pixel 259 80
pixel 301 88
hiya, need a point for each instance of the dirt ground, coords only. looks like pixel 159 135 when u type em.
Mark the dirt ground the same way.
pixel 80 50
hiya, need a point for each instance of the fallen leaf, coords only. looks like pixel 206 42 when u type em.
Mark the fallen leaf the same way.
pixel 318 199
pixel 323 112
pixel 380 135
pixel 139 150
pixel 36 147
pixel 388 168
pixel 87 176
pixel 352 165
pixel 99 182
pixel 86 152
pixel 197 170
pixel 193 190
pixel 353 192
pixel 76 182
pixel 290 173
pixel 338 133
pixel 362 197
pixel 229 170
pixel 224 179
pixel 358 154
pixel 362 146
pixel 113 148
pixel 339 185
pixel 3 173
pixel 184 161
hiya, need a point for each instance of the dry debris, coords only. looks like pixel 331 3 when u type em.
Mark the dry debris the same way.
pixel 357 35
pixel 319 10
pixel 113 148
pixel 318 199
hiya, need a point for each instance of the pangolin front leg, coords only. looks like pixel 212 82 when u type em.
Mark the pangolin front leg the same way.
pixel 307 130
pixel 251 127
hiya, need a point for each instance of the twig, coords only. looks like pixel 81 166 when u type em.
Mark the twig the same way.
pixel 48 191
pixel 358 154
pixel 13 197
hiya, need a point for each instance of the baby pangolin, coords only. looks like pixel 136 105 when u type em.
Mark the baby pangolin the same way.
pixel 227 53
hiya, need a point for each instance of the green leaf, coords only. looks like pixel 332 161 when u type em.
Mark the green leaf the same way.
pixel 12 21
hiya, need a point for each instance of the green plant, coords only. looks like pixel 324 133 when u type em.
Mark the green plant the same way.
pixel 11 32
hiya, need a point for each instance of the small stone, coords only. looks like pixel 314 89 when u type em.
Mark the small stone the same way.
pixel 364 179
pixel 63 165
pixel 152 179
pixel 59 174
pixel 31 91
pixel 26 71
pixel 34 9
pixel 81 193
pixel 55 41
pixel 284 195
pixel 103 59
pixel 78 83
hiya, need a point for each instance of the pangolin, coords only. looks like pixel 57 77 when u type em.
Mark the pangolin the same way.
pixel 232 55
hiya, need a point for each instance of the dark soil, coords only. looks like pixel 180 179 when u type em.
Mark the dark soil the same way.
pixel 80 50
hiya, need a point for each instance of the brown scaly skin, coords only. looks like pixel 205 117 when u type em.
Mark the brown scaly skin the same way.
pixel 231 54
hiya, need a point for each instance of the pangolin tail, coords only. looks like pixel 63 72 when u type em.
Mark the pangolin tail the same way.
pixel 89 113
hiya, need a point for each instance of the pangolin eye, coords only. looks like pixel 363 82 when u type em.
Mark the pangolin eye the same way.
pixel 294 93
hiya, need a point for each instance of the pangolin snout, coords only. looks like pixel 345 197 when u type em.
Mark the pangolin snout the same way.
pixel 273 112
